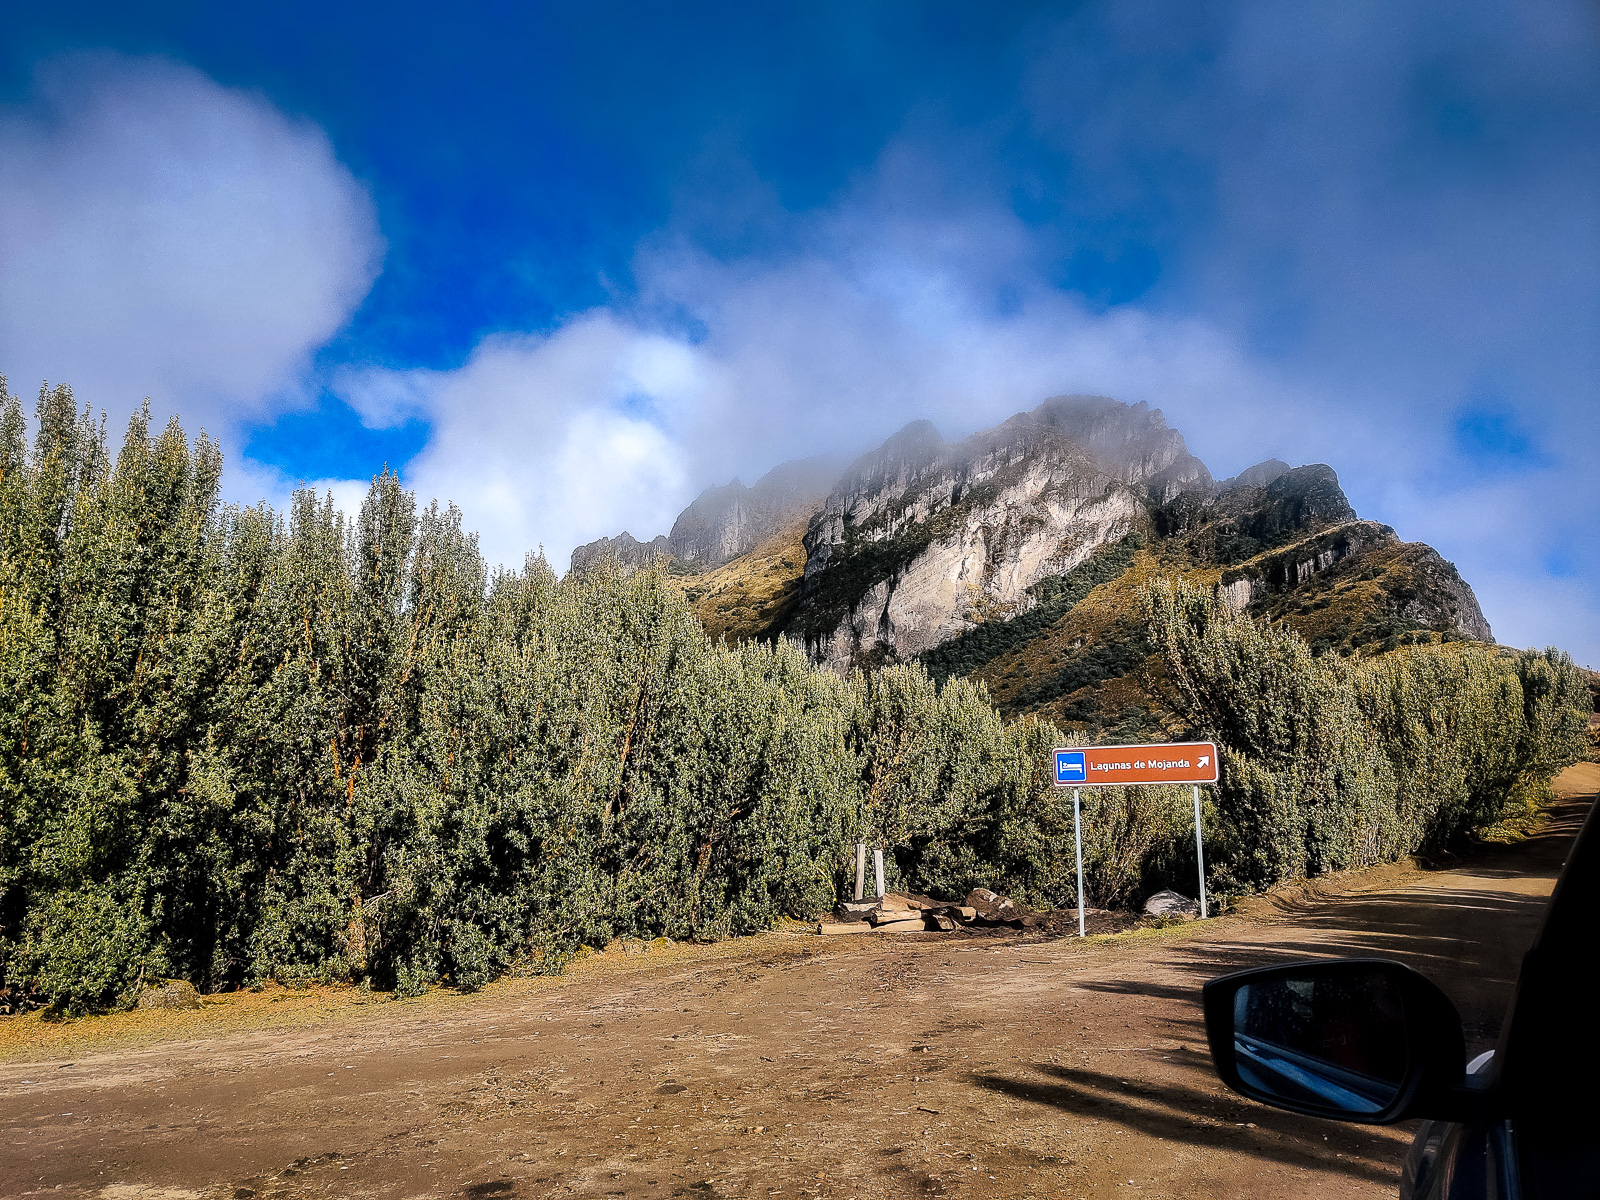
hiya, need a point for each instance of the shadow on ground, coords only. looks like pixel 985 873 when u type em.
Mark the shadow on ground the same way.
pixel 1188 1113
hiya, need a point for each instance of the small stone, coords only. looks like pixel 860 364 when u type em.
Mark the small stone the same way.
pixel 998 909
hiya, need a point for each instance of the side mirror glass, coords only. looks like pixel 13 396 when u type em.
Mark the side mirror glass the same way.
pixel 1353 1039
pixel 1334 1039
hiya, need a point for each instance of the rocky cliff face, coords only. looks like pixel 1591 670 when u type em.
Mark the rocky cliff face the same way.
pixel 1358 585
pixel 1285 533
pixel 726 522
pixel 1129 441
pixel 625 548
pixel 1017 556
pixel 920 536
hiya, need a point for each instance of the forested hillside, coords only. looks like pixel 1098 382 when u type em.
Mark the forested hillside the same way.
pixel 237 744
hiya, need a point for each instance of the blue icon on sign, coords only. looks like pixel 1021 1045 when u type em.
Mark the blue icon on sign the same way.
pixel 1071 767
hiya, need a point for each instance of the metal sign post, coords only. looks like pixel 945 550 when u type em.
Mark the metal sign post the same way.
pixel 1124 766
pixel 1077 836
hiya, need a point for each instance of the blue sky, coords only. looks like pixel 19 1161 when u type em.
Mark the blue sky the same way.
pixel 568 266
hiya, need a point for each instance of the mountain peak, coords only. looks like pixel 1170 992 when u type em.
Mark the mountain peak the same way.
pixel 1259 475
pixel 1131 442
pixel 725 522
pixel 931 548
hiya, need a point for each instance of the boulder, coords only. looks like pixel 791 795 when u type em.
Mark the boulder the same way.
pixel 991 906
pixel 174 993
pixel 1171 904
pixel 1001 910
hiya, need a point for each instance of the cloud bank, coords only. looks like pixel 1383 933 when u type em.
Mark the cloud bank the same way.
pixel 164 236
pixel 616 422
pixel 1366 226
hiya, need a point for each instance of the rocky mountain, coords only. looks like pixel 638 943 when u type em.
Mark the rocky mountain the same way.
pixel 1017 555
pixel 919 539
pixel 625 548
pixel 726 522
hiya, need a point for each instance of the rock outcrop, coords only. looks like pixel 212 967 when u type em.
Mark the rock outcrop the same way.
pixel 625 548
pixel 1255 511
pixel 726 522
pixel 1437 597
pixel 920 534
pixel 1018 556
pixel 1285 570
pixel 1259 475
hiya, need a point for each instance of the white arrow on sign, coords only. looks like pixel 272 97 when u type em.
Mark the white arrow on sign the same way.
pixel 1205 760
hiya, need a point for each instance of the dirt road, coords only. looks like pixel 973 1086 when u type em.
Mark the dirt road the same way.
pixel 788 1065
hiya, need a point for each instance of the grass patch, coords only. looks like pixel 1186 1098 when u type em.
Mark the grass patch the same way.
pixel 753 596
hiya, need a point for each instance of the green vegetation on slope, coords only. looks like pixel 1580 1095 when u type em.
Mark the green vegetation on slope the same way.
pixel 748 598
pixel 1115 656
pixel 1329 764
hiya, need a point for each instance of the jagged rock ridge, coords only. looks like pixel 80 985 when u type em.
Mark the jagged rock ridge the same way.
pixel 1018 554
pixel 921 536
pixel 726 522
pixel 625 548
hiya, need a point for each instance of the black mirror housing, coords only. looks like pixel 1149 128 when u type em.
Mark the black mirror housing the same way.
pixel 1363 1039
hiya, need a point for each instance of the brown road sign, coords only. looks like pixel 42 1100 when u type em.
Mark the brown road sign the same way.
pixel 1115 766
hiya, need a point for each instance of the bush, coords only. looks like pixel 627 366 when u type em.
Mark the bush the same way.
pixel 235 745
pixel 1329 764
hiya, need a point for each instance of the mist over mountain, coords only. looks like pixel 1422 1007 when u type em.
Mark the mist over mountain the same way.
pixel 1015 555
pixel 726 522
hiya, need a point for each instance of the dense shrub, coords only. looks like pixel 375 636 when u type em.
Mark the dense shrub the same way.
pixel 235 745
pixel 1329 764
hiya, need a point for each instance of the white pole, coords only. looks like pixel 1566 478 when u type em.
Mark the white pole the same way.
pixel 1200 851
pixel 861 868
pixel 877 866
pixel 1077 836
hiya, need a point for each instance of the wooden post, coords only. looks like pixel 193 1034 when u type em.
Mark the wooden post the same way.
pixel 877 866
pixel 861 868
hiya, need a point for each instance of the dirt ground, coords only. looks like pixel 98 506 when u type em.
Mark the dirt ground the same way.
pixel 789 1065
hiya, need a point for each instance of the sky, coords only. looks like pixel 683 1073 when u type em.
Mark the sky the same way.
pixel 569 265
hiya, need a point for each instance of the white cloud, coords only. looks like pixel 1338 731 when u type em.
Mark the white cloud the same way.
pixel 163 235
pixel 551 440
pixel 252 482
pixel 607 424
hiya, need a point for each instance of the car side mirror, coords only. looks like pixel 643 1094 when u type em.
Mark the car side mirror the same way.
pixel 1364 1040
